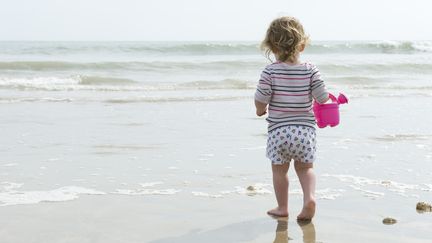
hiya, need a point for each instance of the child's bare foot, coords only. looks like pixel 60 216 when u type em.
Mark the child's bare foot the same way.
pixel 278 212
pixel 308 211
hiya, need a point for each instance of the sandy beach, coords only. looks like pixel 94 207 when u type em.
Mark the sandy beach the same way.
pixel 170 158
pixel 207 200
pixel 134 219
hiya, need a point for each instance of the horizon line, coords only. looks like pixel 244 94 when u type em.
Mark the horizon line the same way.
pixel 258 41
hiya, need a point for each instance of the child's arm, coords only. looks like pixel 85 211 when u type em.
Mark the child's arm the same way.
pixel 324 100
pixel 263 93
pixel 319 91
pixel 261 108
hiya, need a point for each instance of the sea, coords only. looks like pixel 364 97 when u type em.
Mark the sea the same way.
pixel 175 122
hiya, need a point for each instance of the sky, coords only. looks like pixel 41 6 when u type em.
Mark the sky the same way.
pixel 211 20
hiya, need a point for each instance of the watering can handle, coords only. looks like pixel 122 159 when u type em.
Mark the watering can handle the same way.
pixel 336 100
pixel 333 98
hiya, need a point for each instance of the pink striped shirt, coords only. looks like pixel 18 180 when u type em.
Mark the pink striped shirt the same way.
pixel 289 91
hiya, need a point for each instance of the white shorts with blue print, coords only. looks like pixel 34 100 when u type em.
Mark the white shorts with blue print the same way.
pixel 293 142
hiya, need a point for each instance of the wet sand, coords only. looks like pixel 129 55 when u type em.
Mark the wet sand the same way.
pixel 113 219
pixel 208 160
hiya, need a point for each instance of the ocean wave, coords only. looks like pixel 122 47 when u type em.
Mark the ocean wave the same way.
pixel 182 48
pixel 112 84
pixel 395 87
pixel 127 100
pixel 72 83
pixel 34 99
pixel 377 68
pixel 176 99
pixel 384 47
pixel 100 83
pixel 229 67
pixel 223 84
pixel 204 48
pixel 95 80
pixel 160 66
pixel 61 65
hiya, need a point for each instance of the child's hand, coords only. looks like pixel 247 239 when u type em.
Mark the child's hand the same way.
pixel 261 108
pixel 261 112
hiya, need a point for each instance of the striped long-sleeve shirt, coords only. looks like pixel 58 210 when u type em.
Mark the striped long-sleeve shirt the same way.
pixel 289 91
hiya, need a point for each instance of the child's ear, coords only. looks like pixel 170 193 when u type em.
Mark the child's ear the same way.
pixel 302 47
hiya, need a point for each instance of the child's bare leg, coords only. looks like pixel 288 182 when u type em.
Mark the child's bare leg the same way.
pixel 280 184
pixel 306 176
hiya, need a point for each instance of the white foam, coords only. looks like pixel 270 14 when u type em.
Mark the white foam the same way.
pixel 204 194
pixel 421 146
pixel 368 193
pixel 329 194
pixel 256 189
pixel 14 197
pixel 44 82
pixel 428 187
pixel 147 192
pixel 8 186
pixel 151 184
pixel 359 183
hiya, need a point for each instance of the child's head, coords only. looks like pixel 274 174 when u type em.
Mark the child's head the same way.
pixel 285 38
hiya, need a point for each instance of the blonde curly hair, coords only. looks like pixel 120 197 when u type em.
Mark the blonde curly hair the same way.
pixel 284 38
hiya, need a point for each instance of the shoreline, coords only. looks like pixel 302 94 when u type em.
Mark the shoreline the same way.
pixel 158 220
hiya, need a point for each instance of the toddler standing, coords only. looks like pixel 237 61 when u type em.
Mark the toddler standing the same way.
pixel 286 89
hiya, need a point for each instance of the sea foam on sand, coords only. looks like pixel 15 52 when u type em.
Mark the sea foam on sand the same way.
pixel 10 196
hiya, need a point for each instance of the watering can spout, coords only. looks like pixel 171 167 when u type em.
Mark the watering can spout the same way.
pixel 342 99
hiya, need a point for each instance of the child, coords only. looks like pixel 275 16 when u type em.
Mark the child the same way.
pixel 287 87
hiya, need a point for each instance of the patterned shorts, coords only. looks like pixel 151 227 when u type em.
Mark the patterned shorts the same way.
pixel 291 142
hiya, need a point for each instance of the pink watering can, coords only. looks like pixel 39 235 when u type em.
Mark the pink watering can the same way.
pixel 328 113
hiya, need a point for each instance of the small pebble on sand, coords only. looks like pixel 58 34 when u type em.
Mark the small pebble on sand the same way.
pixel 423 207
pixel 389 221
pixel 251 188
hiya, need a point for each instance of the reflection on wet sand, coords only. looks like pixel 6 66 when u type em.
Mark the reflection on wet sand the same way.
pixel 282 231
pixel 245 231
pixel 307 227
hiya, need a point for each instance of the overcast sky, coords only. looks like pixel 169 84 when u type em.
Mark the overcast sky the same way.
pixel 203 20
